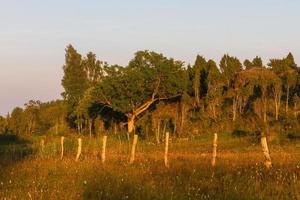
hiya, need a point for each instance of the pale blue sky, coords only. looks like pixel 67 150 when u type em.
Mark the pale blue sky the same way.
pixel 34 33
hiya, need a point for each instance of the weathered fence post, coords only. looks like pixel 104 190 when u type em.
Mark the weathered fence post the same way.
pixel 214 152
pixel 166 149
pixel 132 155
pixel 265 149
pixel 103 148
pixel 78 150
pixel 62 147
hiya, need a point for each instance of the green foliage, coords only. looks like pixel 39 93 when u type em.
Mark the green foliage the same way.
pixel 149 75
pixel 229 67
pixel 256 62
pixel 74 80
pixel 98 96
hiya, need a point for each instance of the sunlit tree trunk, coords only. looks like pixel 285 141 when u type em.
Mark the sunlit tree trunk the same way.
pixel 234 108
pixel 265 108
pixel 90 127
pixel 214 152
pixel 103 153
pixel 166 149
pixel 158 132
pixel 265 149
pixel 133 148
pixel 197 86
pixel 277 104
pixel 62 147
pixel 295 110
pixel 287 99
pixel 165 127
pixel 78 149
pixel 115 128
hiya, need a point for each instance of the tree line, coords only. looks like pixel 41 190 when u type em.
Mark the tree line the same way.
pixel 154 94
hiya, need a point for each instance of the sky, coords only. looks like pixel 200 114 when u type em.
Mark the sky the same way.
pixel 34 34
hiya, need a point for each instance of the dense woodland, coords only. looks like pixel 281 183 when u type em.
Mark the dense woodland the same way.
pixel 154 94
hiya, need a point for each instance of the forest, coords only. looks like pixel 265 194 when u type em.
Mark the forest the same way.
pixel 158 128
pixel 154 94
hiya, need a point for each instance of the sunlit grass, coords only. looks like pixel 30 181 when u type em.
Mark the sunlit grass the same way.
pixel 239 174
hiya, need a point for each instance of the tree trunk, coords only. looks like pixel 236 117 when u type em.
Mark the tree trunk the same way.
pixel 103 148
pixel 158 132
pixel 234 106
pixel 133 148
pixel 78 149
pixel 276 106
pixel 287 99
pixel 62 147
pixel 166 149
pixel 265 108
pixel 175 120
pixel 214 111
pixel 182 118
pixel 197 86
pixel 78 124
pixel 115 128
pixel 130 124
pixel 214 152
pixel 265 149
pixel 165 127
pixel 81 126
pixel 90 127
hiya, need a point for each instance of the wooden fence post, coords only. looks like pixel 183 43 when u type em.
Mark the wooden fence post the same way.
pixel 265 149
pixel 79 149
pixel 62 147
pixel 132 155
pixel 214 152
pixel 166 149
pixel 103 148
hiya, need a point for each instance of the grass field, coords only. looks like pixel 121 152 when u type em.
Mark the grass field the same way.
pixel 28 173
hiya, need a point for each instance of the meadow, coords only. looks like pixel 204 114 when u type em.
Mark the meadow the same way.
pixel 27 172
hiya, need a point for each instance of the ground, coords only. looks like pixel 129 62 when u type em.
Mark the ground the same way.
pixel 239 171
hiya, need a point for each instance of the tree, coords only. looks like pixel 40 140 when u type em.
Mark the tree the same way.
pixel 199 76
pixel 52 116
pixel 93 69
pixel 215 87
pixel 17 121
pixel 262 79
pixel 229 67
pixel 31 115
pixel 256 62
pixel 74 80
pixel 148 78
pixel 3 125
pixel 286 69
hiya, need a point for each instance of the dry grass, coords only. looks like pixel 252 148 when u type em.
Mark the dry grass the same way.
pixel 239 173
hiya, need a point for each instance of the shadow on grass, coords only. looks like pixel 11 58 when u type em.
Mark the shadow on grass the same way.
pixel 12 150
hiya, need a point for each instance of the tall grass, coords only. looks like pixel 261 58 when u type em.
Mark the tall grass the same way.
pixel 239 173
